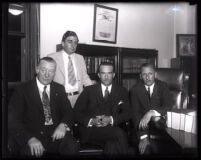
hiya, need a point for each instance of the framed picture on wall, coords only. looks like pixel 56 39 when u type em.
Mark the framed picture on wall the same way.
pixel 186 44
pixel 105 24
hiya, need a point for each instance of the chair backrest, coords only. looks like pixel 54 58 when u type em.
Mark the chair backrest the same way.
pixel 177 83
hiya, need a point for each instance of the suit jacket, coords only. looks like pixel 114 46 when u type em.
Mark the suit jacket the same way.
pixel 91 103
pixel 161 101
pixel 82 76
pixel 26 116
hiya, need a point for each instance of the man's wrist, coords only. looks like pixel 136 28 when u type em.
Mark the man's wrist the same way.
pixel 66 127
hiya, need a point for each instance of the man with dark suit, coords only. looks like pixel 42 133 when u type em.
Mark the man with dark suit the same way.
pixel 40 115
pixel 150 100
pixel 100 109
pixel 71 68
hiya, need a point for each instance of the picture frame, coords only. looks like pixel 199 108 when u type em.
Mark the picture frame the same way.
pixel 105 24
pixel 186 45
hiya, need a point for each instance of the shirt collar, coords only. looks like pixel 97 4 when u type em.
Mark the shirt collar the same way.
pixel 104 87
pixel 151 87
pixel 66 54
pixel 41 86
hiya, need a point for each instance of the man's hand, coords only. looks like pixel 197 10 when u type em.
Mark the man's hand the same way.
pixel 36 147
pixel 101 121
pixel 59 132
pixel 145 120
pixel 105 120
pixel 144 143
pixel 96 121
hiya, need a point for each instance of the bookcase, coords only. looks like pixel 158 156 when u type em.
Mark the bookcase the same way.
pixel 127 61
pixel 130 62
pixel 94 55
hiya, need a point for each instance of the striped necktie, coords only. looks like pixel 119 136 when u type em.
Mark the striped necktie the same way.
pixel 71 72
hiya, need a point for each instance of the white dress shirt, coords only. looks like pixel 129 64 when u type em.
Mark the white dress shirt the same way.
pixel 41 88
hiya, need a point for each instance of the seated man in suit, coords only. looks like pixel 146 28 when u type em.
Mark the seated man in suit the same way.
pixel 100 109
pixel 150 100
pixel 40 115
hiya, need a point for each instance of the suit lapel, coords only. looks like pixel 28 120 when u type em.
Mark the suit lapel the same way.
pixel 112 93
pixel 144 95
pixel 36 98
pixel 99 93
pixel 53 95
pixel 60 65
pixel 155 90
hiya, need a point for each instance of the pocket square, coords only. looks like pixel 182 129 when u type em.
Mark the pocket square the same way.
pixel 120 102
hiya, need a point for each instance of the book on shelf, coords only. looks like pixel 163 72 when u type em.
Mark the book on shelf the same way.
pixel 92 63
pixel 131 65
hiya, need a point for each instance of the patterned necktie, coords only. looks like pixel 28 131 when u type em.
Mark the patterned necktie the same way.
pixel 106 93
pixel 71 73
pixel 46 107
pixel 149 93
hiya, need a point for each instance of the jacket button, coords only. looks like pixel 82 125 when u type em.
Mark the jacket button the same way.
pixel 41 132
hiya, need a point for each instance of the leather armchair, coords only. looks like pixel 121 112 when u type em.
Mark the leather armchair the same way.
pixel 177 81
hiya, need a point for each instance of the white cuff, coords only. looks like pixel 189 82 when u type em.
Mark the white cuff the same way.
pixel 89 124
pixel 143 136
pixel 156 113
pixel 112 120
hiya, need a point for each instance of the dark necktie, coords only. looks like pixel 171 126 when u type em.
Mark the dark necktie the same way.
pixel 149 93
pixel 46 107
pixel 71 72
pixel 106 93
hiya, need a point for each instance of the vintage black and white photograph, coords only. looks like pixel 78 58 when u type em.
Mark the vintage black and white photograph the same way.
pixel 99 80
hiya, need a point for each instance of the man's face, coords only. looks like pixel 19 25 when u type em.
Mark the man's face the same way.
pixel 148 75
pixel 70 44
pixel 106 74
pixel 45 72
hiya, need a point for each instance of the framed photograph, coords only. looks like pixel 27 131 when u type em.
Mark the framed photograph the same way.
pixel 105 24
pixel 186 44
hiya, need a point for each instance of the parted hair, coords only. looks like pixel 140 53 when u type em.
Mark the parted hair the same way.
pixel 68 34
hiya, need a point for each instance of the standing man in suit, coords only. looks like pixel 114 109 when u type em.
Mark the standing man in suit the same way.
pixel 40 115
pixel 100 109
pixel 71 68
pixel 150 99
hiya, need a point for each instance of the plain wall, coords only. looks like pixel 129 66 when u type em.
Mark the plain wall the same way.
pixel 140 25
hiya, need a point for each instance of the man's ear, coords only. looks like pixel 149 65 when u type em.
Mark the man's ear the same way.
pixel 113 75
pixel 98 75
pixel 37 69
pixel 140 76
pixel 62 44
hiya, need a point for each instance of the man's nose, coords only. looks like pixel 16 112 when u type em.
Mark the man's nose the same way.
pixel 147 77
pixel 106 75
pixel 46 74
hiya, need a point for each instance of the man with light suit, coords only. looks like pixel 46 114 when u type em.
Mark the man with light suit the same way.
pixel 71 68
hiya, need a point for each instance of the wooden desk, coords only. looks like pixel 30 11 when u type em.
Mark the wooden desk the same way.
pixel 187 141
